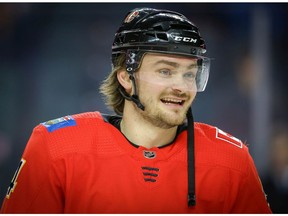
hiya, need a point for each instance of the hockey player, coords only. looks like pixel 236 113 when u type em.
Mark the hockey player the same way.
pixel 150 157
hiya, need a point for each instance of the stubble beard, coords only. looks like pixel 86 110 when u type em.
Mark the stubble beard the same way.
pixel 160 118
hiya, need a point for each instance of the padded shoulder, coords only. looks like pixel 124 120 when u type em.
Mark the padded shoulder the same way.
pixel 216 134
pixel 84 133
pixel 214 146
pixel 70 120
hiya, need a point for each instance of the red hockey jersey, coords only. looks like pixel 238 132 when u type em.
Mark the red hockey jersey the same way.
pixel 83 164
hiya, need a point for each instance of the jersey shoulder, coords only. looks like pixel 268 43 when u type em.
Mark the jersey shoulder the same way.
pixel 82 133
pixel 220 148
pixel 217 135
pixel 77 120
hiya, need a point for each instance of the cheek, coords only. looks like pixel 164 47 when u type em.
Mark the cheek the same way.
pixel 192 96
pixel 149 89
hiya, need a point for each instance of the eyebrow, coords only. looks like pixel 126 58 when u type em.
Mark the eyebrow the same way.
pixel 173 64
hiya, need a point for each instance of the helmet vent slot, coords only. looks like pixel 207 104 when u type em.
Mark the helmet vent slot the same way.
pixel 162 36
pixel 158 35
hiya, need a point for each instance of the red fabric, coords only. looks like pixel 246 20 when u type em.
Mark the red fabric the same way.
pixel 92 168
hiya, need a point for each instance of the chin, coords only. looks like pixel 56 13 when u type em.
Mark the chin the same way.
pixel 163 117
pixel 174 119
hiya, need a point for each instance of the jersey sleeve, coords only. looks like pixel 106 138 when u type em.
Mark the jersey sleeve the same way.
pixel 36 186
pixel 249 194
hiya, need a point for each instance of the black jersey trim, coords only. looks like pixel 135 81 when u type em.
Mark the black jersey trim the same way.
pixel 115 120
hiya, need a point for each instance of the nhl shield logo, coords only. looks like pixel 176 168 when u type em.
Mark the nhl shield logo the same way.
pixel 149 154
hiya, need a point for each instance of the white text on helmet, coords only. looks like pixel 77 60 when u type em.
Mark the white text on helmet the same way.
pixel 185 39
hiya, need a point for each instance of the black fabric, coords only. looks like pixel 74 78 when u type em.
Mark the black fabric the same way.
pixel 115 120
pixel 191 160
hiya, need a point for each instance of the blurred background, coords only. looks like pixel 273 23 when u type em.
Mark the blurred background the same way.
pixel 53 57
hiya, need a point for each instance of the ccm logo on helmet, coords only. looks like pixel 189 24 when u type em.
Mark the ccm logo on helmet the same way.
pixel 185 39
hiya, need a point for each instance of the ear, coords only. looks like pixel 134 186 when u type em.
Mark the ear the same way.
pixel 124 80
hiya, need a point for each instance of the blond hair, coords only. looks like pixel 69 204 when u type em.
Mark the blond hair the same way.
pixel 109 88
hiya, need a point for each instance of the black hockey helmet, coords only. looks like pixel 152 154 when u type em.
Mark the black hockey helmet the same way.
pixel 153 30
pixel 163 31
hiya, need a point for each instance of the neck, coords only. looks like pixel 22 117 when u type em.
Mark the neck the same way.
pixel 142 133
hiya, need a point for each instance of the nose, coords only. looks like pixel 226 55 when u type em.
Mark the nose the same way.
pixel 179 84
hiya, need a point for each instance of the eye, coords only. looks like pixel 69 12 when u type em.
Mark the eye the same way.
pixel 165 72
pixel 190 75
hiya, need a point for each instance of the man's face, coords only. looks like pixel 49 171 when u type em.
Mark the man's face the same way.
pixel 166 87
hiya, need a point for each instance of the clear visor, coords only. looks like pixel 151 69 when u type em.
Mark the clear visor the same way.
pixel 193 79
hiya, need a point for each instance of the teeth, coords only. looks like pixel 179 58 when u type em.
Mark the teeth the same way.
pixel 172 100
pixel 169 100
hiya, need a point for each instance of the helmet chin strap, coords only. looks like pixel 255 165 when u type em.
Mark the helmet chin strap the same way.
pixel 133 59
pixel 134 97
pixel 191 159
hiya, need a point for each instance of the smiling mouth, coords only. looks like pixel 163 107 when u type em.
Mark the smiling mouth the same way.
pixel 172 101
